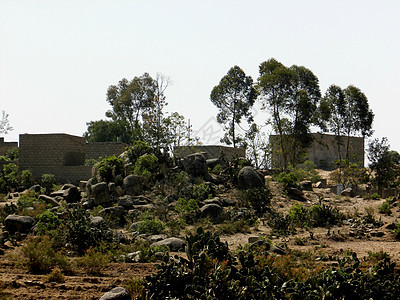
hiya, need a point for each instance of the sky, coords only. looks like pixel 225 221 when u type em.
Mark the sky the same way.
pixel 57 58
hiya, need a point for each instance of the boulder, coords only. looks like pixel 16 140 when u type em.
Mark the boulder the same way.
pixel 115 212
pixel 21 224
pixel 117 293
pixel 211 211
pixel 306 185
pixel 295 193
pixel 212 162
pixel 349 192
pixel 132 185
pixel 96 221
pixel 35 188
pixel 249 178
pixel 69 193
pixel 214 200
pixel 126 201
pixel 195 164
pixel 100 193
pixel 174 244
pixel 49 200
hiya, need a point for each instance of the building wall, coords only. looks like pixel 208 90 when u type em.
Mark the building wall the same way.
pixel 5 146
pixel 210 151
pixel 324 150
pixel 61 154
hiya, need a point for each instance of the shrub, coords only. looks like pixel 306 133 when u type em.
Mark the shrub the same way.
pixel 26 179
pixel 138 149
pixel 299 215
pixel 287 178
pixel 11 175
pixel 93 262
pixel 202 191
pixel 374 196
pixel 185 205
pixel 47 222
pixel 257 198
pixel 55 275
pixel 385 208
pixel 153 226
pixel 48 181
pixel 324 216
pixel 110 167
pixel 39 256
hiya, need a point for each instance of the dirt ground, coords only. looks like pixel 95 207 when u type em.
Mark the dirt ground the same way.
pixel 16 283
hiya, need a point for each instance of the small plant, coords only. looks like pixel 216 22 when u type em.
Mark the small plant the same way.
pixel 325 216
pixel 257 198
pixel 48 181
pixel 385 208
pixel 93 262
pixel 151 226
pixel 202 191
pixel 26 179
pixel 185 205
pixel 56 275
pixel 135 287
pixel 110 167
pixel 299 215
pixel 11 175
pixel 374 196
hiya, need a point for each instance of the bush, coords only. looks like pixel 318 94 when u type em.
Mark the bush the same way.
pixel 287 178
pixel 138 149
pixel 55 275
pixel 325 216
pixel 48 181
pixel 47 222
pixel 385 208
pixel 93 262
pixel 299 215
pixel 26 179
pixel 202 191
pixel 110 167
pixel 184 205
pixel 39 256
pixel 154 226
pixel 11 175
pixel 257 198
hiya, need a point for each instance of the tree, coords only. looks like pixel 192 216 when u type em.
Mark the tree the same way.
pixel 178 132
pixel 130 100
pixel 292 96
pixel 5 123
pixel 234 97
pixel 257 148
pixel 384 162
pixel 109 131
pixel 346 113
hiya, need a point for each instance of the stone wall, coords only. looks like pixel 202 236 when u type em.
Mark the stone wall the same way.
pixel 210 151
pixel 96 150
pixel 5 146
pixel 61 154
pixel 324 150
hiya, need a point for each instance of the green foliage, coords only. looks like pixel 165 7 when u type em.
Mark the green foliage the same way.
pixel 26 200
pixel 374 196
pixel 48 181
pixel 80 234
pixel 55 275
pixel 186 205
pixel 151 226
pixel 349 174
pixel 26 179
pixel 257 198
pixel 385 208
pixel 109 131
pixel 138 149
pixel 110 167
pixel 39 256
pixel 11 175
pixel 281 225
pixel 325 216
pixel 202 191
pixel 234 97
pixel 299 215
pixel 287 178
pixel 47 222
pixel 147 163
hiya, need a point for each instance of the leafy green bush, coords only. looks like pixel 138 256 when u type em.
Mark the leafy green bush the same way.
pixel 26 179
pixel 325 216
pixel 151 226
pixel 11 175
pixel 374 196
pixel 257 198
pixel 202 191
pixel 48 181
pixel 138 149
pixel 287 178
pixel 385 208
pixel 299 215
pixel 47 222
pixel 186 205
pixel 55 275
pixel 110 167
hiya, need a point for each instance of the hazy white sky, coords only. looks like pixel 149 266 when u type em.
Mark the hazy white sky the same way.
pixel 57 58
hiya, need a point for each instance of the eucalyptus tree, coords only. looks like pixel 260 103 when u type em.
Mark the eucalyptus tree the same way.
pixel 234 96
pixel 5 123
pixel 292 96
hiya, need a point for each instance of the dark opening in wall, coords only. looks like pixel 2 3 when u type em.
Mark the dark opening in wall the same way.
pixel 74 159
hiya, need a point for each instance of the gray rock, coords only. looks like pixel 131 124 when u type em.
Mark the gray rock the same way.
pixel 49 200
pixel 69 193
pixel 156 238
pixel 249 178
pixel 117 293
pixel 35 188
pixel 132 185
pixel 126 201
pixel 21 224
pixel 211 211
pixel 96 221
pixel 212 162
pixel 228 202
pixel 174 244
pixel 100 193
pixel 115 212
pixel 195 164
pixel 214 200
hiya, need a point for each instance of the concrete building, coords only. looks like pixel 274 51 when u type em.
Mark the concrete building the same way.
pixel 324 150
